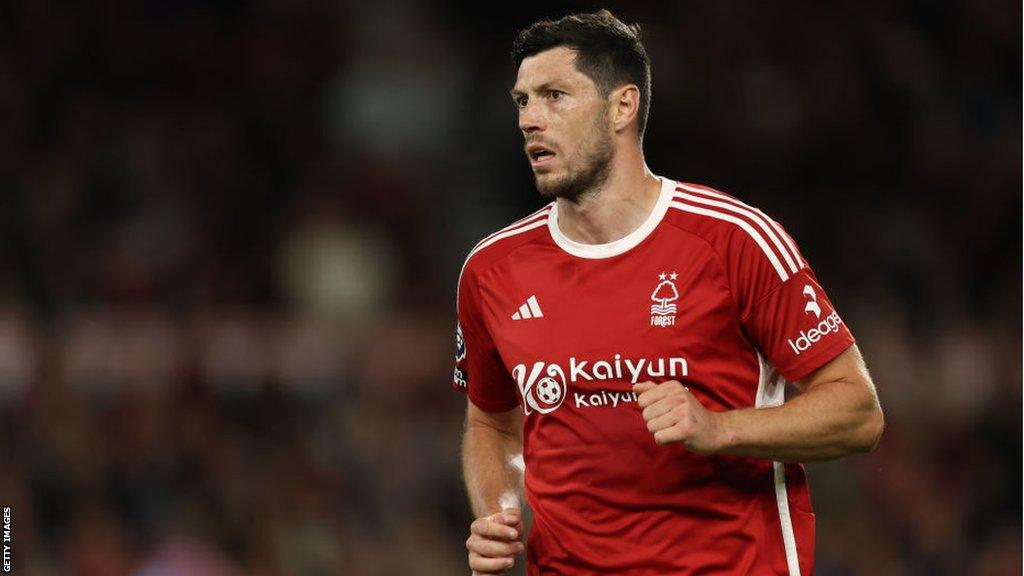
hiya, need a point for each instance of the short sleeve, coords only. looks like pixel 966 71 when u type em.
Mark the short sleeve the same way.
pixel 782 306
pixel 479 371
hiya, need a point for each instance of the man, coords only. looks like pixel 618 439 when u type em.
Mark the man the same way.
pixel 632 340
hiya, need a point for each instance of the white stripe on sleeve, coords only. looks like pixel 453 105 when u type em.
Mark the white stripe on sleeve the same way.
pixel 772 257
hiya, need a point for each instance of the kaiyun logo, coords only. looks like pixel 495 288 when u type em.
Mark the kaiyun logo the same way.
pixel 544 387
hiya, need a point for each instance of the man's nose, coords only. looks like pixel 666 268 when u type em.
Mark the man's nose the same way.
pixel 531 119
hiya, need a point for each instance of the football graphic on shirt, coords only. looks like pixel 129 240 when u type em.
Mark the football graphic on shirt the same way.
pixel 542 386
pixel 549 391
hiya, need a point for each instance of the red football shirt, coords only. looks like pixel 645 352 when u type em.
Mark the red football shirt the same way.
pixel 708 291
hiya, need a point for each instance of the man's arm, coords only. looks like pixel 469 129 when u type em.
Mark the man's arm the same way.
pixel 489 446
pixel 490 442
pixel 836 415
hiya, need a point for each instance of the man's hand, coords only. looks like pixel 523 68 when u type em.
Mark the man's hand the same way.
pixel 494 542
pixel 674 415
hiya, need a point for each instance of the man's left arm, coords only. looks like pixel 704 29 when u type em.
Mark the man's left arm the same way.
pixel 836 415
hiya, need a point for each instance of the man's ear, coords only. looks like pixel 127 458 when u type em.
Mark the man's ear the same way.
pixel 625 105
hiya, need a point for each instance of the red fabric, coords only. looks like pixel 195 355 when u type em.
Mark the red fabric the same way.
pixel 606 498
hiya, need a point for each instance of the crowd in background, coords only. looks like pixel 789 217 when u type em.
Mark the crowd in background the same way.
pixel 231 233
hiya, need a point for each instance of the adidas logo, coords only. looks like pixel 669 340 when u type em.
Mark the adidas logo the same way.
pixel 529 310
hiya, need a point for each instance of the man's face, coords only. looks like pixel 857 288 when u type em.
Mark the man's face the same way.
pixel 565 123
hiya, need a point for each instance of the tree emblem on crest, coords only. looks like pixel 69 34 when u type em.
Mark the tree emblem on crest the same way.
pixel 665 293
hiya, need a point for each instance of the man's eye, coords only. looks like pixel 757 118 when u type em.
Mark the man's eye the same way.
pixel 520 102
pixel 555 94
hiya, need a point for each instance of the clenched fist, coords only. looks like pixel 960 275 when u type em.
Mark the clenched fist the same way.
pixel 673 414
pixel 494 542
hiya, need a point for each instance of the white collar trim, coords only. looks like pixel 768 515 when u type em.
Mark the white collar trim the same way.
pixel 621 245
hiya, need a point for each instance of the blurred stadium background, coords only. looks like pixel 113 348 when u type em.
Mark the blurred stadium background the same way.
pixel 231 233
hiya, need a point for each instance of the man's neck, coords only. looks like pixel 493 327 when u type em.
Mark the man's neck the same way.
pixel 614 210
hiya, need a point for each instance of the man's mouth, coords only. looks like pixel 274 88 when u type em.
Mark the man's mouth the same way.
pixel 539 155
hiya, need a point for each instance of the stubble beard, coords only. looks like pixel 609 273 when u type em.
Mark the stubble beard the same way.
pixel 573 185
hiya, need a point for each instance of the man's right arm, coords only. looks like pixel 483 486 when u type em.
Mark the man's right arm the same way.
pixel 491 443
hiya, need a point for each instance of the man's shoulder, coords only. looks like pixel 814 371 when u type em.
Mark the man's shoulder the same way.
pixel 731 227
pixel 708 212
pixel 503 241
pixel 716 216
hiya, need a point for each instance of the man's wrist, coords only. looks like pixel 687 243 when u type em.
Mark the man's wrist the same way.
pixel 724 431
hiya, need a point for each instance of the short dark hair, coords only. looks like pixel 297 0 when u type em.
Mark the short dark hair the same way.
pixel 608 51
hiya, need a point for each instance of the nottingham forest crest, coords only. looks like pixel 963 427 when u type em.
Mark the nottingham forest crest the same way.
pixel 663 311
